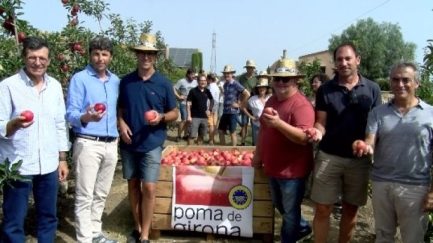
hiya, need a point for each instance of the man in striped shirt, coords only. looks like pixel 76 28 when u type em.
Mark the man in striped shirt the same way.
pixel 40 143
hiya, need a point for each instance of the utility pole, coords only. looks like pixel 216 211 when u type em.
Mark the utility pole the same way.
pixel 213 66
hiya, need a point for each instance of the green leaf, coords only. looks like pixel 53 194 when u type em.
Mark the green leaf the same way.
pixel 16 166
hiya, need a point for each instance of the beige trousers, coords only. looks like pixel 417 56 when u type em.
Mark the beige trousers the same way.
pixel 95 163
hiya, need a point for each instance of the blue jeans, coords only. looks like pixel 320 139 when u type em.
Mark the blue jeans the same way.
pixel 242 119
pixel 141 165
pixel 287 195
pixel 15 204
pixel 255 133
pixel 182 110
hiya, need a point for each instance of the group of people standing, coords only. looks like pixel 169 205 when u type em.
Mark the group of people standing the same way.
pixel 43 142
pixel 345 111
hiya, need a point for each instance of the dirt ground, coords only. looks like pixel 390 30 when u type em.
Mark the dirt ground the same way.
pixel 118 222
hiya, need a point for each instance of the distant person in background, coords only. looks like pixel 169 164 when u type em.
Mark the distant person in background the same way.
pixel 198 110
pixel 249 81
pixel 233 92
pixel 181 90
pixel 220 84
pixel 315 82
pixel 213 116
pixel 256 103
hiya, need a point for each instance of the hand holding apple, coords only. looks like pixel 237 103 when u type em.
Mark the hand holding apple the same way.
pixel 99 107
pixel 271 117
pixel 153 117
pixel 91 116
pixel 24 120
pixel 360 148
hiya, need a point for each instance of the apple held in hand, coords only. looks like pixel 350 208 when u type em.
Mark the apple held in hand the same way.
pixel 311 132
pixel 269 111
pixel 99 107
pixel 28 115
pixel 150 115
pixel 360 146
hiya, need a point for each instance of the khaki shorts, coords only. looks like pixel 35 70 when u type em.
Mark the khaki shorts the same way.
pixel 334 176
pixel 211 119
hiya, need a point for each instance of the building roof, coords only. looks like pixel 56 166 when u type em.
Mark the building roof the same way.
pixel 181 57
pixel 314 54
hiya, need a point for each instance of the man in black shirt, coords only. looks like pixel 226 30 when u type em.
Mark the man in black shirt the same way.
pixel 197 110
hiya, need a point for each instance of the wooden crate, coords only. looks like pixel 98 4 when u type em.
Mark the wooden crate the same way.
pixel 263 210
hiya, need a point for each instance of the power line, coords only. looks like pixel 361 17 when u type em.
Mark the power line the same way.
pixel 369 11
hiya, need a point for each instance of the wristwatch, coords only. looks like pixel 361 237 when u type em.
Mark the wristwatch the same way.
pixel 162 117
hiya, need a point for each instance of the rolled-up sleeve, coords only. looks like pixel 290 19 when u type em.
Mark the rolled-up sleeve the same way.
pixel 61 125
pixel 5 110
pixel 74 102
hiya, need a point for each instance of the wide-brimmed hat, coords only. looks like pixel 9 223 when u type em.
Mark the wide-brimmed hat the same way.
pixel 147 42
pixel 286 68
pixel 263 74
pixel 228 69
pixel 250 63
pixel 263 82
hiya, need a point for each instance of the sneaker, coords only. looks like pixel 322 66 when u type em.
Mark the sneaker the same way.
pixel 103 239
pixel 305 235
pixel 134 237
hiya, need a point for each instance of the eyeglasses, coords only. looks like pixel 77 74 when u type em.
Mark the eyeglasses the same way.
pixel 33 59
pixel 146 53
pixel 283 79
pixel 353 99
pixel 202 80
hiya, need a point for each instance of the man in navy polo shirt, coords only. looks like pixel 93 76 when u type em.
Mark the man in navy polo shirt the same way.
pixel 95 147
pixel 233 91
pixel 342 107
pixel 141 91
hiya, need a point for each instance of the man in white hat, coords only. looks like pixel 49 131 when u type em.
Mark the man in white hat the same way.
pixel 283 150
pixel 249 81
pixel 233 92
pixel 146 104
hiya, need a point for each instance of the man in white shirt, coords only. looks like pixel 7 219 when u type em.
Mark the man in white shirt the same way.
pixel 41 143
pixel 213 117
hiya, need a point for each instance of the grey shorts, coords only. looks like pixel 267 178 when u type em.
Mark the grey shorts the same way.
pixel 141 165
pixel 198 127
pixel 334 175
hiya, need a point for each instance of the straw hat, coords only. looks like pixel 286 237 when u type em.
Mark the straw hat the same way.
pixel 263 74
pixel 147 42
pixel 250 63
pixel 285 67
pixel 263 82
pixel 228 69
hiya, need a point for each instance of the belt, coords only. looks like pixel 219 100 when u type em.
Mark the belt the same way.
pixel 98 139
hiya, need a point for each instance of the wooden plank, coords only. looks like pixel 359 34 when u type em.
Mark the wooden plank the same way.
pixel 260 208
pixel 261 225
pixel 261 191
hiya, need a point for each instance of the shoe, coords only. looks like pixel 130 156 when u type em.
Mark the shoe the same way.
pixel 177 139
pixel 185 137
pixel 134 237
pixel 103 239
pixel 144 241
pixel 305 235
pixel 242 144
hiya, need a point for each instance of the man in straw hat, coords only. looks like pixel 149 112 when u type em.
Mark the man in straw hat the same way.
pixel 249 81
pixel 256 103
pixel 283 150
pixel 233 92
pixel 342 107
pixel 146 104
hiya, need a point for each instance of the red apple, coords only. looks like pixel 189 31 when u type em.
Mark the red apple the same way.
pixel 65 68
pixel 311 132
pixel 28 115
pixel 65 1
pixel 76 8
pixel 150 115
pixel 360 146
pixel 21 37
pixel 83 52
pixel 59 57
pixel 268 110
pixel 99 107
pixel 77 47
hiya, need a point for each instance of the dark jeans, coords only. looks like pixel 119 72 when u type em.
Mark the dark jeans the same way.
pixel 287 195
pixel 15 204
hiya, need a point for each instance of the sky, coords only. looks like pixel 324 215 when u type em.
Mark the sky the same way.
pixel 254 29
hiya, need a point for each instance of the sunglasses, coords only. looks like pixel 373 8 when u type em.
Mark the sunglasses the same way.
pixel 353 99
pixel 283 79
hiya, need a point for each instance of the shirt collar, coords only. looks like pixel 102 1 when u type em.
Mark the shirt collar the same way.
pixel 421 104
pixel 28 81
pixel 362 81
pixel 92 72
pixel 151 79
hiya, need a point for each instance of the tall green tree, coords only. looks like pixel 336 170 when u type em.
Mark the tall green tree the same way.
pixel 379 44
